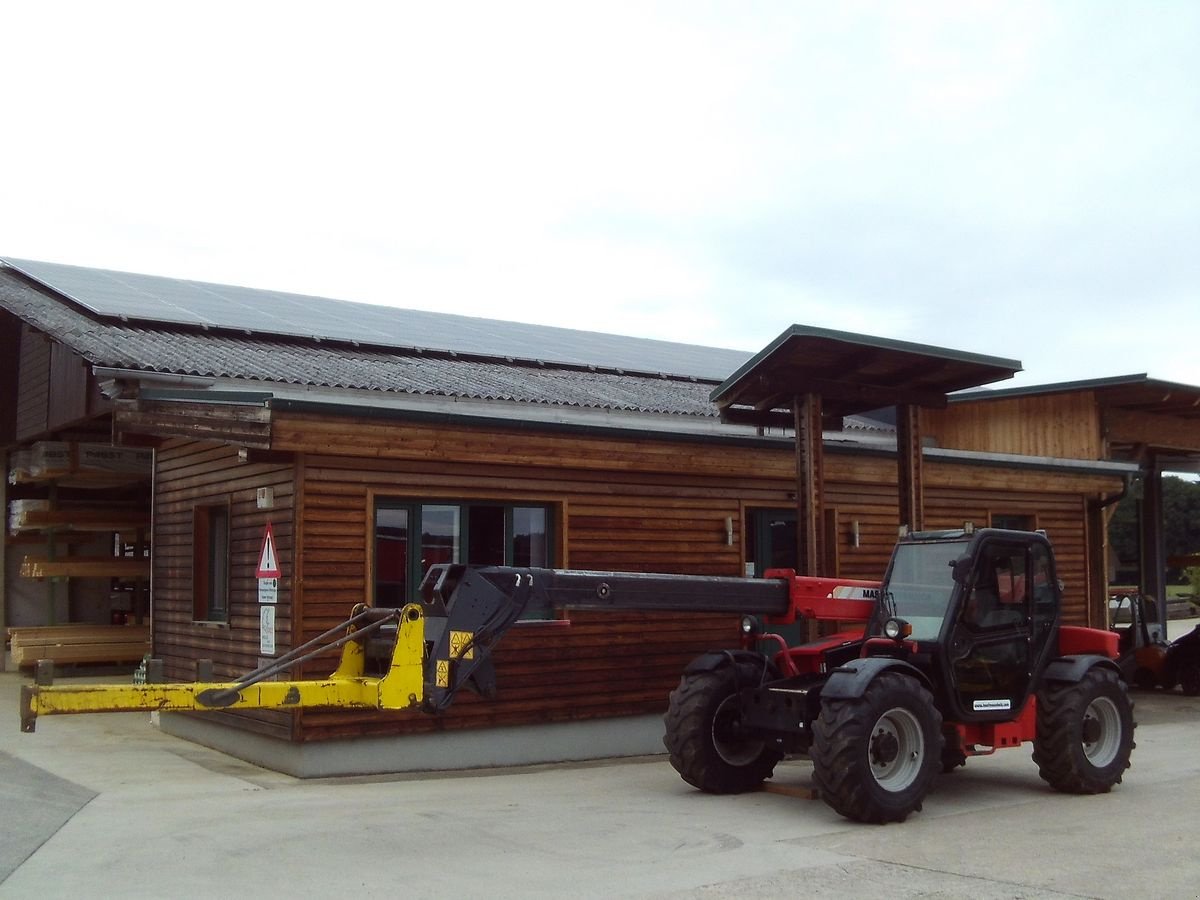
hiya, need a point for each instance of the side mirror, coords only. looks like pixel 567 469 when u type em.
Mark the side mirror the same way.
pixel 962 569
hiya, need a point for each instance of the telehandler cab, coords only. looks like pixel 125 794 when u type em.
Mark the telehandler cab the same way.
pixel 957 653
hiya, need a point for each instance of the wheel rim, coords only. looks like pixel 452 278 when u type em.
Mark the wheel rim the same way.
pixel 733 749
pixel 1101 732
pixel 896 749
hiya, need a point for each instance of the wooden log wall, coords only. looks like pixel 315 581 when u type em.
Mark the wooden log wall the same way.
pixel 189 474
pixel 10 374
pixel 1063 426
pixel 622 503
pixel 602 665
pixel 33 385
pixel 55 387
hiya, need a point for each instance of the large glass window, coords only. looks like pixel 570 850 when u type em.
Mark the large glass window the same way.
pixel 482 534
pixel 391 555
pixel 487 540
pixel 530 536
pixel 441 532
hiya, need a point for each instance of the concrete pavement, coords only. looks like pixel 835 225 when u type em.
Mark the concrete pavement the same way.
pixel 169 818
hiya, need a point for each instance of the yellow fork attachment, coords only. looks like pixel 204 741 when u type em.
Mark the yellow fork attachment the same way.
pixel 401 687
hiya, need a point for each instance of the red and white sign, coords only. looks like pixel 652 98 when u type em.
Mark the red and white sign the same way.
pixel 268 561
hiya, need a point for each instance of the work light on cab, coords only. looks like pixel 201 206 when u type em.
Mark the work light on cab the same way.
pixel 896 629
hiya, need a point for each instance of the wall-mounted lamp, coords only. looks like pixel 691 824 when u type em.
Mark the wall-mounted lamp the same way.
pixel 729 531
pixel 855 536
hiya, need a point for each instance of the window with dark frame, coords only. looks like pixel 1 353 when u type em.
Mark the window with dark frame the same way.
pixel 410 537
pixel 770 540
pixel 210 563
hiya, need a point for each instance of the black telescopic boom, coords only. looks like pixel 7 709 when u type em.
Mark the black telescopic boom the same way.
pixel 551 589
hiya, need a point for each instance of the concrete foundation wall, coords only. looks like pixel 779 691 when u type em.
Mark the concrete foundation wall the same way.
pixel 444 751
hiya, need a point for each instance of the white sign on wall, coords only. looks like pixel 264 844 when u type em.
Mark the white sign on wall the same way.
pixel 268 590
pixel 266 630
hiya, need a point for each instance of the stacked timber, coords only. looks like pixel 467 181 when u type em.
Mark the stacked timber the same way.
pixel 70 644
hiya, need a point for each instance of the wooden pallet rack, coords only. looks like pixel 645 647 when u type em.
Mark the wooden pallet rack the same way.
pixel 73 503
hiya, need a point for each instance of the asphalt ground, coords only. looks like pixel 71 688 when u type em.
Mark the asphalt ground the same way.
pixel 108 806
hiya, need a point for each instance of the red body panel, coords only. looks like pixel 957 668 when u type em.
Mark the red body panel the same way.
pixel 826 599
pixel 808 659
pixel 982 738
pixel 1075 639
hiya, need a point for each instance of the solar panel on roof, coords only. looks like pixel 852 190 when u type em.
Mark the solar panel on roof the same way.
pixel 174 301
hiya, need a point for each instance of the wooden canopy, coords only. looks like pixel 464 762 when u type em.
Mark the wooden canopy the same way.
pixel 807 375
pixel 853 373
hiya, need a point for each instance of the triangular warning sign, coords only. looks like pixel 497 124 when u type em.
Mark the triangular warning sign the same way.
pixel 268 563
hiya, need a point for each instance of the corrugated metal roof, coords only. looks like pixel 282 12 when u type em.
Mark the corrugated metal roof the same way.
pixel 126 297
pixel 183 351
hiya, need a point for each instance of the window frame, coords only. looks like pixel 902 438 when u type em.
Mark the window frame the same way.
pixel 212 527
pixel 414 507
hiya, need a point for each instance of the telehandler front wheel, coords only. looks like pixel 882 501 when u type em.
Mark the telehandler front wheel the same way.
pixel 704 735
pixel 1084 733
pixel 875 757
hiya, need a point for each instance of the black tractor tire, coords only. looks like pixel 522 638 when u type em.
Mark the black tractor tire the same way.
pixel 953 753
pixel 1084 733
pixel 1189 678
pixel 702 737
pixel 951 760
pixel 875 757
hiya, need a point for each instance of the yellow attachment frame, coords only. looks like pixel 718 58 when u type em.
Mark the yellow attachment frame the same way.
pixel 401 687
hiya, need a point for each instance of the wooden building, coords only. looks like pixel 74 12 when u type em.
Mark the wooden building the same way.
pixel 374 442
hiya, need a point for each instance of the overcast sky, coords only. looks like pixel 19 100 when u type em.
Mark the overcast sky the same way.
pixel 1012 179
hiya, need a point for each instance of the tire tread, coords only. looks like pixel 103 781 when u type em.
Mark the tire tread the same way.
pixel 1057 749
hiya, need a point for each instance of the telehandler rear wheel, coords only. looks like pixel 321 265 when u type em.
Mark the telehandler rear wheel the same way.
pixel 1084 733
pixel 703 732
pixel 875 757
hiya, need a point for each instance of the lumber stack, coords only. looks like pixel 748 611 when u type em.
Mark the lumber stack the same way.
pixel 85 567
pixel 70 644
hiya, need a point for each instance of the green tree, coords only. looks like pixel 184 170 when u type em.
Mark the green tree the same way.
pixel 1181 523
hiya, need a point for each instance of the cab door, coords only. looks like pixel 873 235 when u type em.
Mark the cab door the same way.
pixel 991 647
